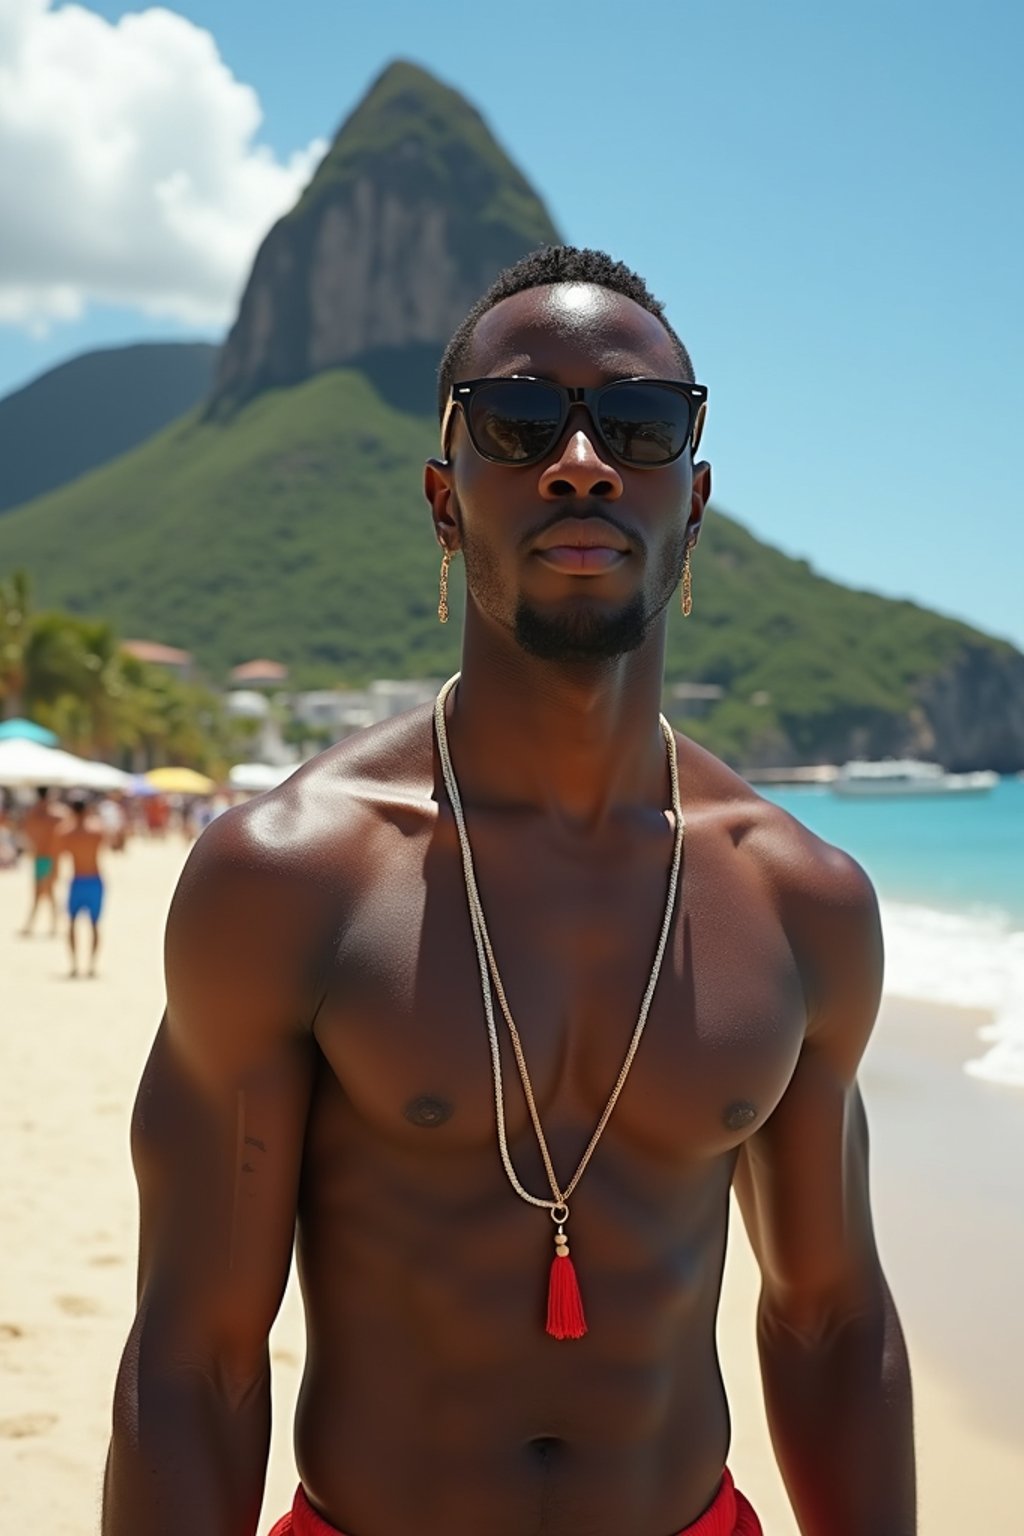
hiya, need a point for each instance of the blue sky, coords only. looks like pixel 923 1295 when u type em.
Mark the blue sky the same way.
pixel 827 198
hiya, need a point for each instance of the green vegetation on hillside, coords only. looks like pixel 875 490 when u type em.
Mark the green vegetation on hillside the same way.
pixel 802 660
pixel 297 530
pixel 93 408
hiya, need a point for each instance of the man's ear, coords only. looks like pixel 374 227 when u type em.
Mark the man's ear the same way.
pixel 700 495
pixel 698 426
pixel 440 493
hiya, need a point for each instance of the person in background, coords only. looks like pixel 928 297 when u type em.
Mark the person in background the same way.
pixel 8 837
pixel 41 830
pixel 201 812
pixel 157 814
pixel 82 840
pixel 111 813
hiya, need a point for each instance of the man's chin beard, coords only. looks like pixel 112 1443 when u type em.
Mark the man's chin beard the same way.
pixel 582 634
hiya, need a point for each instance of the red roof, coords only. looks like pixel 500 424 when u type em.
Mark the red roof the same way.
pixel 259 671
pixel 152 650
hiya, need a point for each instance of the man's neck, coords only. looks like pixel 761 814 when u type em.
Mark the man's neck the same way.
pixel 577 741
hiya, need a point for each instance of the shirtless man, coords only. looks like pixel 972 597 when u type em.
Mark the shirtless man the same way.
pixel 324 1058
pixel 41 829
pixel 82 840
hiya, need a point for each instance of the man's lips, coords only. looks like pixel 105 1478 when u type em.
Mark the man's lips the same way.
pixel 585 546
pixel 582 559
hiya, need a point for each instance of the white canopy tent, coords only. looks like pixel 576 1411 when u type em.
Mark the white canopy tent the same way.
pixel 254 778
pixel 28 765
pixel 102 776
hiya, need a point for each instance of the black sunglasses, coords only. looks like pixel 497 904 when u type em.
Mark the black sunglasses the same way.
pixel 518 420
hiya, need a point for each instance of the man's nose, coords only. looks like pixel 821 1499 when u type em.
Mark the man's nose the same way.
pixel 580 470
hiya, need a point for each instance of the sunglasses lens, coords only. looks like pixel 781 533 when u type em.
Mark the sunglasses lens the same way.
pixel 645 423
pixel 514 420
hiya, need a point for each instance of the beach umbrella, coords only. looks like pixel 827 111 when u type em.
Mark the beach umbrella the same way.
pixel 101 776
pixel 180 781
pixel 27 730
pixel 254 778
pixel 28 765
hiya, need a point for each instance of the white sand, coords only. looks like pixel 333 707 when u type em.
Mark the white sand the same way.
pixel 949 1192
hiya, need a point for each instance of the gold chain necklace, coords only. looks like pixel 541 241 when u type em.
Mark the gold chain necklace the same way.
pixel 565 1318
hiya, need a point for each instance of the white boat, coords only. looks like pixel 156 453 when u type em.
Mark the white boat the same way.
pixel 908 776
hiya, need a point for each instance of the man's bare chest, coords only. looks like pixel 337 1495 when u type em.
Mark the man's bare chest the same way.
pixel 403 1025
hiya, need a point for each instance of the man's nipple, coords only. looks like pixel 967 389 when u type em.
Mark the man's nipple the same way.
pixel 740 1114
pixel 428 1111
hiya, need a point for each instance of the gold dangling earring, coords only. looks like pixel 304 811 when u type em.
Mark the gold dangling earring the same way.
pixel 442 601
pixel 687 593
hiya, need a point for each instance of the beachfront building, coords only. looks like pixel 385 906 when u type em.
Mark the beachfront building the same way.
pixel 269 675
pixel 254 714
pixel 156 654
pixel 329 714
pixel 692 699
pixel 333 713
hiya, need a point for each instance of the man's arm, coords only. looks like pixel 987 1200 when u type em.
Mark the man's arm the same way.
pixel 217 1138
pixel 833 1361
pixel 60 842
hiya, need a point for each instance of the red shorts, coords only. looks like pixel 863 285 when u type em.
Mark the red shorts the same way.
pixel 729 1515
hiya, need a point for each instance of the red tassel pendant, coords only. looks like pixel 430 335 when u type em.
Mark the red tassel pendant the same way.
pixel 565 1305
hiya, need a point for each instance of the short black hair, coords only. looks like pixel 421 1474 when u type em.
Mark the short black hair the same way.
pixel 546 265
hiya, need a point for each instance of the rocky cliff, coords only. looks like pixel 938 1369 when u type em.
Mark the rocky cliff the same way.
pixel 973 711
pixel 967 715
pixel 410 216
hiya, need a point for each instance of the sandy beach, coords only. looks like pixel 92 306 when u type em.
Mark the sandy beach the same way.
pixel 948 1180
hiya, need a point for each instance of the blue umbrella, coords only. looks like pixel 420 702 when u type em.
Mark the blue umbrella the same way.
pixel 27 730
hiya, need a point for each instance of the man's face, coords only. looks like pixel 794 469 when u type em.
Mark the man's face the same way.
pixel 520 528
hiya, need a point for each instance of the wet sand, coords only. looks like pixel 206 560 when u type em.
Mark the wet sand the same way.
pixel 948 1180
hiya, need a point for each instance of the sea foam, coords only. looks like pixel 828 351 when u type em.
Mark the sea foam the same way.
pixel 966 962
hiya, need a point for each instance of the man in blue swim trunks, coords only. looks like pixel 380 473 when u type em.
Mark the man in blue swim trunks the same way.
pixel 82 839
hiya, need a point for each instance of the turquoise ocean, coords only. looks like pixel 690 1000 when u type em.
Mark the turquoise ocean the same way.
pixel 949 873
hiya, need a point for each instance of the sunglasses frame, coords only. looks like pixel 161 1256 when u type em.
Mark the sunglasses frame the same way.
pixel 462 393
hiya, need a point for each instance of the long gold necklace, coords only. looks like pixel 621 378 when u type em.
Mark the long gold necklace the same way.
pixel 565 1318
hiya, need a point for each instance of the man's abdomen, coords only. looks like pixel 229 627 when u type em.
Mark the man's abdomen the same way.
pixel 434 1401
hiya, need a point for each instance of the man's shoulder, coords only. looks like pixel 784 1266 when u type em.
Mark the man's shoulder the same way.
pixel 821 897
pixel 799 868
pixel 827 907
pixel 331 808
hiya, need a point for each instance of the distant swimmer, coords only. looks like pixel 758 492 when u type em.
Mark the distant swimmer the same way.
pixel 42 829
pixel 82 839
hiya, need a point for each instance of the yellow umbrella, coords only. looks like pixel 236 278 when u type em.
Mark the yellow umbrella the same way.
pixel 180 781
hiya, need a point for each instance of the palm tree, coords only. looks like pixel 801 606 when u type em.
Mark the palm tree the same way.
pixel 102 685
pixel 15 628
pixel 71 674
pixel 52 663
pixel 76 682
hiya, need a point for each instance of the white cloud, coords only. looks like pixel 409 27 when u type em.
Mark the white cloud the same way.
pixel 129 174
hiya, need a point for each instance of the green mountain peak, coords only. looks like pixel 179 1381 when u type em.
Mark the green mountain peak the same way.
pixel 419 135
pixel 410 216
